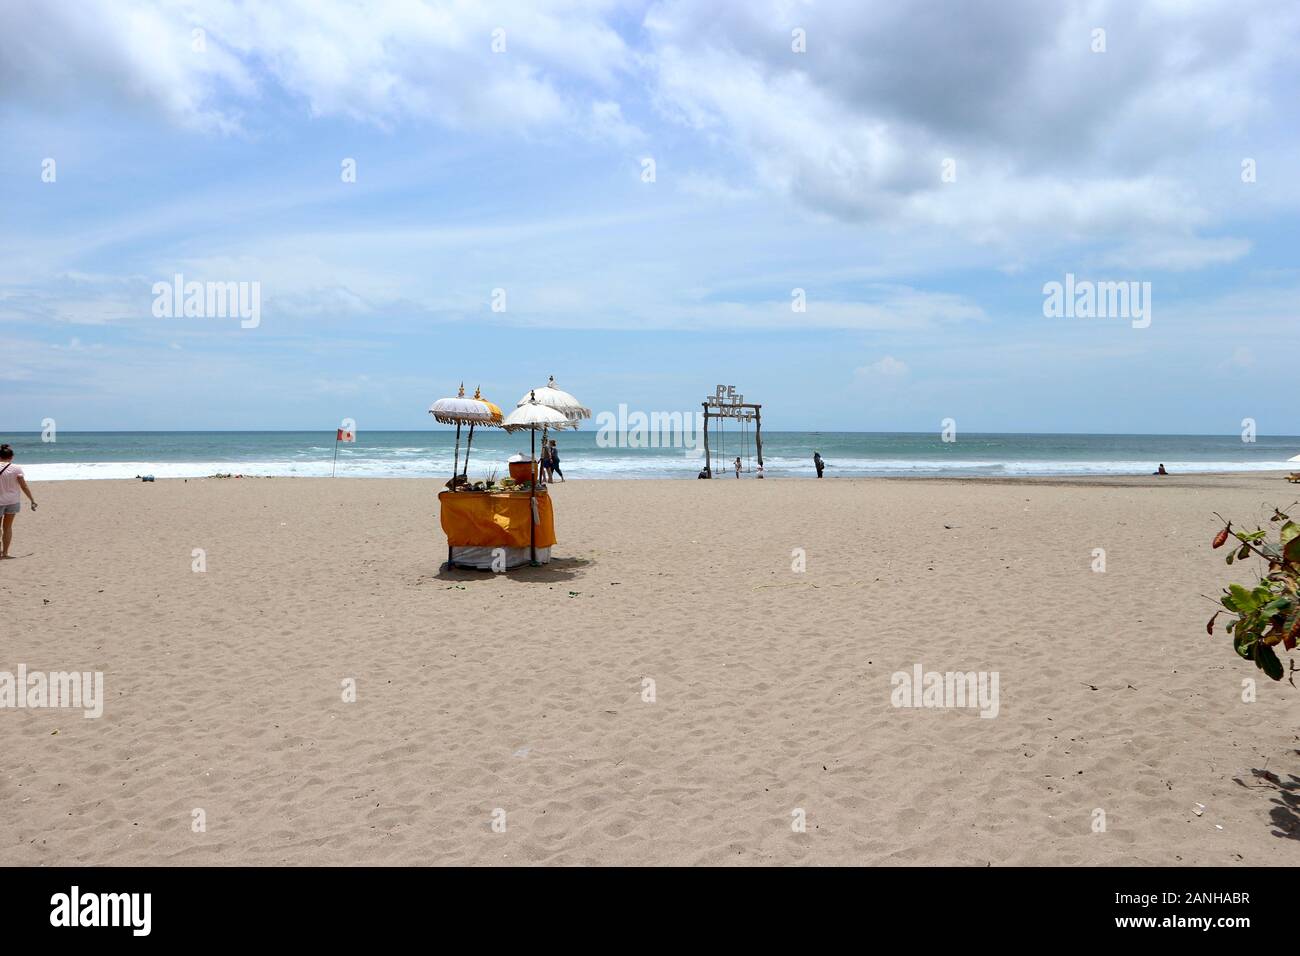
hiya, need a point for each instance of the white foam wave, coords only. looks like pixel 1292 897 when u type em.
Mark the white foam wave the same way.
pixel 649 466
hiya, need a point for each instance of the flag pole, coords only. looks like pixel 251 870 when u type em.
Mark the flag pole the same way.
pixel 336 454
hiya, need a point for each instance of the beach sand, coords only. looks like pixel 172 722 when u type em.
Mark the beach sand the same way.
pixel 524 691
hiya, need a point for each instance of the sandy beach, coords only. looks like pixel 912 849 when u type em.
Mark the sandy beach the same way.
pixel 526 692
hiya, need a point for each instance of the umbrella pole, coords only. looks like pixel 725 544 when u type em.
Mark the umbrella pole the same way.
pixel 468 441
pixel 532 503
pixel 455 468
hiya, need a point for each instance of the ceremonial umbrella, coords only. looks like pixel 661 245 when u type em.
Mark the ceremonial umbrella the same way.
pixel 532 415
pixel 464 411
pixel 552 396
pixel 495 422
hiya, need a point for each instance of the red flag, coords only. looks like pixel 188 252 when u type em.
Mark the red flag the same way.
pixel 345 435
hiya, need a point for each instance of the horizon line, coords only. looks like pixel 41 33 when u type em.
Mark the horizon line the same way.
pixel 448 428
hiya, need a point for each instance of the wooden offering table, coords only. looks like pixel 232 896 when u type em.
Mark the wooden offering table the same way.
pixel 487 526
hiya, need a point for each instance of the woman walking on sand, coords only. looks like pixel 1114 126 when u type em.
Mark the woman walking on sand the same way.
pixel 544 466
pixel 12 487
pixel 555 460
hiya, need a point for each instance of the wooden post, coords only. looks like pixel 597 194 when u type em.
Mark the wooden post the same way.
pixel 468 444
pixel 758 433
pixel 708 462
pixel 455 470
pixel 532 503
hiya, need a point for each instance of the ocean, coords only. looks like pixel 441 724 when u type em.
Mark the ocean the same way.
pixel 428 454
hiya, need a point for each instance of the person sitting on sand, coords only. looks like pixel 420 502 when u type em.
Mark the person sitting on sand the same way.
pixel 818 463
pixel 555 460
pixel 1160 470
pixel 737 466
pixel 12 487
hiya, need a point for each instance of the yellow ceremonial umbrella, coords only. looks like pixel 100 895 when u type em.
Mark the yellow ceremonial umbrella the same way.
pixel 494 422
pixel 459 411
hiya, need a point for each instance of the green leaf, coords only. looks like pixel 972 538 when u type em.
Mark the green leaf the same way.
pixel 1279 605
pixel 1243 601
pixel 1267 660
pixel 1244 645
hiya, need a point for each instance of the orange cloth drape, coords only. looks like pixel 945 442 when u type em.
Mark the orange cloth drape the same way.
pixel 479 520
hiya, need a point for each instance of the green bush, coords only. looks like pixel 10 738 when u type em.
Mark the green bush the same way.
pixel 1269 613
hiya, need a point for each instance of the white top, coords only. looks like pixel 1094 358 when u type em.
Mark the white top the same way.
pixel 10 493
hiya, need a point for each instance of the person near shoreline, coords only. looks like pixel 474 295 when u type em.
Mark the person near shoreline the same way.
pixel 13 485
pixel 555 460
pixel 818 463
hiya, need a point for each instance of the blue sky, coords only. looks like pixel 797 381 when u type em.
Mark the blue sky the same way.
pixel 775 170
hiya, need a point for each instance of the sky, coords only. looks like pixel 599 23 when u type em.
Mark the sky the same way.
pixel 638 198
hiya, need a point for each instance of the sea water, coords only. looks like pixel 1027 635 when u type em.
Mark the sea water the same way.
pixel 429 454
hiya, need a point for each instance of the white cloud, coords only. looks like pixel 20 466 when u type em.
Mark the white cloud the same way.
pixel 1049 138
pixel 887 368
pixel 59 53
pixel 608 123
pixel 1051 141
pixel 705 186
pixel 1176 253
pixel 383 63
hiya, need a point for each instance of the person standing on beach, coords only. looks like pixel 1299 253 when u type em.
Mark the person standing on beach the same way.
pixel 544 466
pixel 12 487
pixel 737 466
pixel 555 459
pixel 818 463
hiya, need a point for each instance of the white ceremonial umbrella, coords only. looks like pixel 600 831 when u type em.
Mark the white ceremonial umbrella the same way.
pixel 554 397
pixel 460 410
